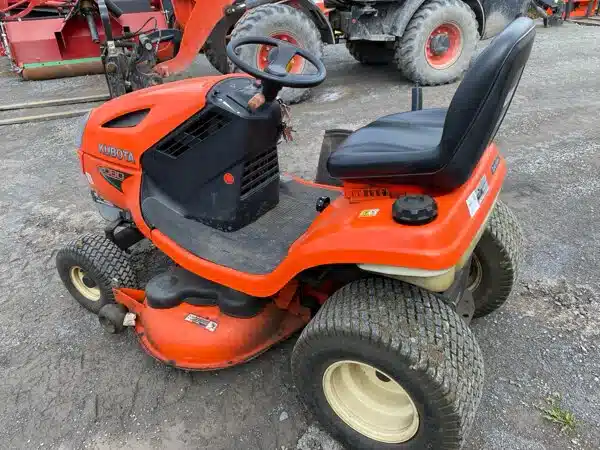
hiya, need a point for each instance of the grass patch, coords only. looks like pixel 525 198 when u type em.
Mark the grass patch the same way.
pixel 556 414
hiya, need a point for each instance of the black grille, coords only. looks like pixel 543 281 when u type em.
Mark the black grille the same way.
pixel 259 170
pixel 193 133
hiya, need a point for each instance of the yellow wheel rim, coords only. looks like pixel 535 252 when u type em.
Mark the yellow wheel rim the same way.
pixel 370 402
pixel 84 284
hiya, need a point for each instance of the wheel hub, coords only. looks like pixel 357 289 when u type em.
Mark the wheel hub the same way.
pixel 370 402
pixel 84 284
pixel 440 43
pixel 444 45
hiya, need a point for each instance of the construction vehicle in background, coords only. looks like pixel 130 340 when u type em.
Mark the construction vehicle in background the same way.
pixel 137 43
pixel 556 12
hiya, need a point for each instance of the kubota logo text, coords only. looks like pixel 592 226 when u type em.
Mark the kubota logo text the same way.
pixel 117 153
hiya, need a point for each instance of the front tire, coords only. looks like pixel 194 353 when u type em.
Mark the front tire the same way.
pixel 417 368
pixel 90 267
pixel 285 23
pixel 438 25
pixel 495 264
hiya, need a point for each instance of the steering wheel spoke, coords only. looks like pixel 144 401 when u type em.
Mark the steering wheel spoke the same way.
pixel 280 56
pixel 283 55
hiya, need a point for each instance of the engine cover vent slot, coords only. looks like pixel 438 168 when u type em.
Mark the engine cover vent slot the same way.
pixel 197 130
pixel 259 171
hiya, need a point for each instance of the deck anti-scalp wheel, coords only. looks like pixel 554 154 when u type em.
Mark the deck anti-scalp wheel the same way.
pixel 495 262
pixel 438 43
pixel 90 267
pixel 285 23
pixel 387 365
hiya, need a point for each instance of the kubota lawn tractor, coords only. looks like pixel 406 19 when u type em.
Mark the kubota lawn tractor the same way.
pixel 430 41
pixel 383 270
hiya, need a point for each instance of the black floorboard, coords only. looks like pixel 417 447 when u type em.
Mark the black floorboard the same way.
pixel 257 248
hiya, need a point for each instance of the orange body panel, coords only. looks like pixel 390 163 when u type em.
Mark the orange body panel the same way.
pixel 166 335
pixel 340 234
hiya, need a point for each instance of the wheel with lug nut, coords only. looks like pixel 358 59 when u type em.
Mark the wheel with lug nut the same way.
pixel 438 43
pixel 387 365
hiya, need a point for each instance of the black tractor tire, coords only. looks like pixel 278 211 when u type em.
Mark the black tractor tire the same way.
pixel 214 48
pixel 410 336
pixel 269 20
pixel 370 53
pixel 495 264
pixel 102 263
pixel 410 55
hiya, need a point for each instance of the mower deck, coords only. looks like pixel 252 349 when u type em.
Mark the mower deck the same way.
pixel 257 248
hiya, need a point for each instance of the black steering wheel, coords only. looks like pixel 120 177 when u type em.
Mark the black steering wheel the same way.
pixel 279 57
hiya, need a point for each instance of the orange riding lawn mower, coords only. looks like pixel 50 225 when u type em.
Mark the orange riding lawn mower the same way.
pixel 139 42
pixel 381 266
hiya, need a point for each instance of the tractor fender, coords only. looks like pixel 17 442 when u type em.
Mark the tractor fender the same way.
pixel 318 17
pixel 407 10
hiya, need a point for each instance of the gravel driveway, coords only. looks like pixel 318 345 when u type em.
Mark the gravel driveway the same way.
pixel 65 384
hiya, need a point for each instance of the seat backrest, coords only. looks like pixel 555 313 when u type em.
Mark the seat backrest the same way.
pixel 483 97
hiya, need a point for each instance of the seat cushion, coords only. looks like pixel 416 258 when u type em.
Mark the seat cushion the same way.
pixel 395 145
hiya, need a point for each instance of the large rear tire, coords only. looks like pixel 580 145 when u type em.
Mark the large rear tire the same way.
pixel 371 53
pixel 495 265
pixel 387 365
pixel 438 43
pixel 281 22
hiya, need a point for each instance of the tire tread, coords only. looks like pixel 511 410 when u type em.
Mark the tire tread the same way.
pixel 406 56
pixel 408 322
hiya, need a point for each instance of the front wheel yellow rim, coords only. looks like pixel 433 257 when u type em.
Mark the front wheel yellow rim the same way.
pixel 370 402
pixel 84 284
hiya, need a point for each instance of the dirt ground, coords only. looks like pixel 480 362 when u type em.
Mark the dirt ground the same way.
pixel 65 384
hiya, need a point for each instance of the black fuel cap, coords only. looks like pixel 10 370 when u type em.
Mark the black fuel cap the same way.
pixel 414 209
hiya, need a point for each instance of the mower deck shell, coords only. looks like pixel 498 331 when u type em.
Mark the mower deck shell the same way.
pixel 208 339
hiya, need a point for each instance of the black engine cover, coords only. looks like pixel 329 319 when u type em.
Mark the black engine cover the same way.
pixel 220 167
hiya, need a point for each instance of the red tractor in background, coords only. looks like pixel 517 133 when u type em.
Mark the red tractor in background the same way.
pixel 139 42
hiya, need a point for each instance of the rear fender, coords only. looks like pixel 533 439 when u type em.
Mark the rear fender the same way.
pixel 315 11
pixel 433 280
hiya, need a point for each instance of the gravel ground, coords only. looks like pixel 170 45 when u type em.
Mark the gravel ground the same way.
pixel 65 384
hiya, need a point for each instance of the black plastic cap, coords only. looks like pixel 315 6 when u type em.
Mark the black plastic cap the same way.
pixel 414 209
pixel 322 203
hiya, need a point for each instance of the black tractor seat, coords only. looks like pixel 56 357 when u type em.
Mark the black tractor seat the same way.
pixel 399 144
pixel 439 148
